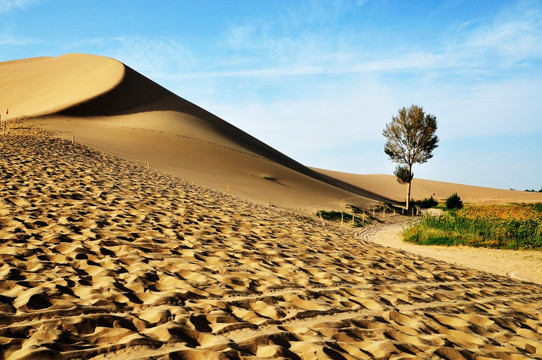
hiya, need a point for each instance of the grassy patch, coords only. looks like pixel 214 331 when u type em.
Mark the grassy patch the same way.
pixel 515 226
pixel 359 220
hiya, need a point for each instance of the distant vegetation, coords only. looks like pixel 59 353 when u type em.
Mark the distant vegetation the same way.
pixel 532 190
pixel 454 202
pixel 427 203
pixel 357 217
pixel 515 226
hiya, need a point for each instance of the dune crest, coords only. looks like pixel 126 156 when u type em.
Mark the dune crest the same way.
pixel 43 86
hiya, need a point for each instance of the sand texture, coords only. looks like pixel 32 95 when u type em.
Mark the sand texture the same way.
pixel 102 258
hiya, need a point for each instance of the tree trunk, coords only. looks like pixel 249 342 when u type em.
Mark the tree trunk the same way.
pixel 408 196
pixel 409 184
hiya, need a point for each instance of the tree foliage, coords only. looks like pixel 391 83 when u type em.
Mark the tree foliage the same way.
pixel 454 202
pixel 404 176
pixel 411 140
pixel 411 136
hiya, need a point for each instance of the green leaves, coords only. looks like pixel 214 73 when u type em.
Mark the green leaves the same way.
pixel 411 139
pixel 411 136
pixel 403 174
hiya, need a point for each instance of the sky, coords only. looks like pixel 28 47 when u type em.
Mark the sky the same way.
pixel 319 80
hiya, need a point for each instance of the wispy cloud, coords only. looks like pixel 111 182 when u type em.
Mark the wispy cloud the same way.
pixel 266 47
pixel 13 5
pixel 9 39
pixel 514 36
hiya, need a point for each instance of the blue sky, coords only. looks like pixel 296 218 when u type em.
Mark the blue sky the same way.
pixel 318 80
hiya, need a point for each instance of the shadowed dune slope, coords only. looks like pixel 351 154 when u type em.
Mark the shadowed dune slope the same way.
pixel 111 107
pixel 422 188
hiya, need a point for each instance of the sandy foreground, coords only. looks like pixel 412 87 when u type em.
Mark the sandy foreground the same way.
pixel 102 258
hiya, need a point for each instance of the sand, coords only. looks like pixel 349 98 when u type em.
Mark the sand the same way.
pixel 104 259
pixel 112 108
pixel 517 264
pixel 163 232
pixel 387 186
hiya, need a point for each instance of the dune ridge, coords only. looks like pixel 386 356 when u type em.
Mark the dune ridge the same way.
pixel 112 108
pixel 33 87
pixel 104 259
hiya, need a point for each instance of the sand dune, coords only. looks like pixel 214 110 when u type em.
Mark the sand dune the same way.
pixel 387 186
pixel 33 87
pixel 112 108
pixel 104 259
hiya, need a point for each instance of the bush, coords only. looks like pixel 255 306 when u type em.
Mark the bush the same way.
pixel 454 202
pixel 428 203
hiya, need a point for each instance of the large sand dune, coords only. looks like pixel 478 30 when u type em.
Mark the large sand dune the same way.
pixel 104 258
pixel 112 108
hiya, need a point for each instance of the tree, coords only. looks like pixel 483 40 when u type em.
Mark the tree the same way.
pixel 411 140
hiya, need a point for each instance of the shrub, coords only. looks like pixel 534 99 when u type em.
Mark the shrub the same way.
pixel 428 203
pixel 454 202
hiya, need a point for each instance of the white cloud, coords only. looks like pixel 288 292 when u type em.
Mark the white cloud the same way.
pixel 7 6
pixel 512 37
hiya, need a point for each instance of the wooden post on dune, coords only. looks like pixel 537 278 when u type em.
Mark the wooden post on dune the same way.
pixel 148 165
pixel 342 217
pixel 73 140
pixel 228 189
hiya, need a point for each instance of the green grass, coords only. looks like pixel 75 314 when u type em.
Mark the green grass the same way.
pixel 516 226
pixel 346 217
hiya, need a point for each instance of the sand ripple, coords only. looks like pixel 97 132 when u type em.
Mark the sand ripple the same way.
pixel 101 258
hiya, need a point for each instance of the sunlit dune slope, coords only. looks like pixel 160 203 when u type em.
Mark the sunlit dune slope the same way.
pixel 39 86
pixel 387 185
pixel 111 107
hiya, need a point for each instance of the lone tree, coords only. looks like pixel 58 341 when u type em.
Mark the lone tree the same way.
pixel 410 139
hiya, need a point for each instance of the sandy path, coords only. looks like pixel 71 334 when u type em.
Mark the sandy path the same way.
pixel 101 258
pixel 517 264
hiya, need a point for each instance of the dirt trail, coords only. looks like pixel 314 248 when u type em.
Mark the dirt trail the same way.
pixel 517 264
